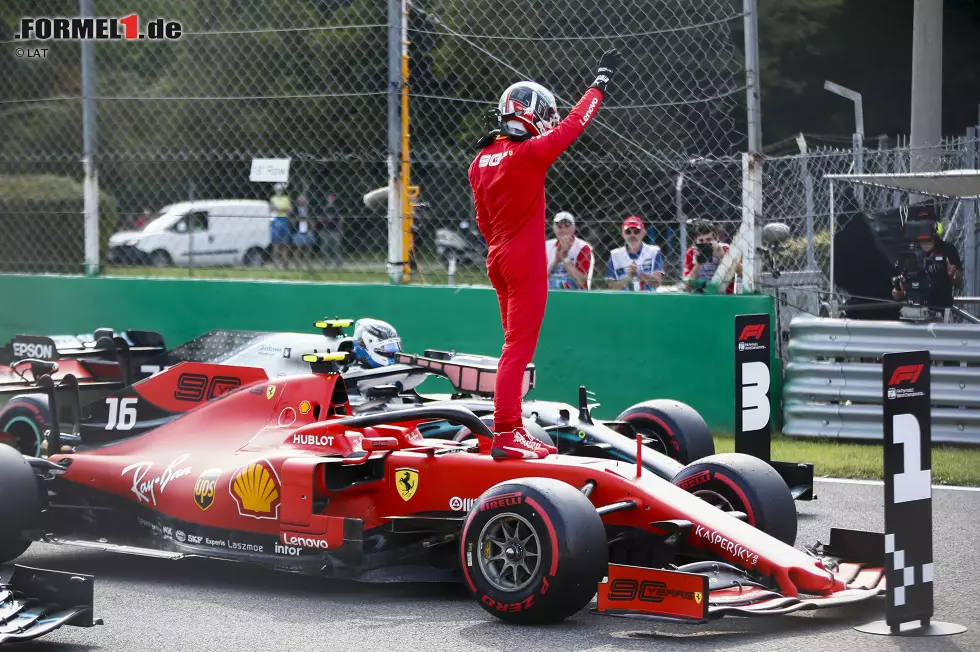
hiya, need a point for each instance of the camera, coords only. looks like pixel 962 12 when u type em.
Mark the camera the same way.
pixel 705 252
pixel 913 277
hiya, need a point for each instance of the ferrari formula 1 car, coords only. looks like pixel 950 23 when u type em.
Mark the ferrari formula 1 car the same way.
pixel 223 462
pixel 674 436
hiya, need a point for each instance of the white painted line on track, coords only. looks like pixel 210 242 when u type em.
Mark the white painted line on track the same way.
pixel 879 483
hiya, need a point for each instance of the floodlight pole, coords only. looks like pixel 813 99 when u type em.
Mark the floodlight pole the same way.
pixel 857 140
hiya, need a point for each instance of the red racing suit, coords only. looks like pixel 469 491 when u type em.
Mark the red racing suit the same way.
pixel 507 179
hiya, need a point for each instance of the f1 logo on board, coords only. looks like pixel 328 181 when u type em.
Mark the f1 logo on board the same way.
pixel 906 373
pixel 752 331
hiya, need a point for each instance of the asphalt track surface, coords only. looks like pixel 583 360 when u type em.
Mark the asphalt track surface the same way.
pixel 150 605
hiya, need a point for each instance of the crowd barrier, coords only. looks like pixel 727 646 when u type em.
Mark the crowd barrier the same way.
pixel 625 347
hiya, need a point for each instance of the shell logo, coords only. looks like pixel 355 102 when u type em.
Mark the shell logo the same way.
pixel 255 488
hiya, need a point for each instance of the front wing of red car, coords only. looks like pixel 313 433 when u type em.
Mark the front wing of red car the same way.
pixel 702 591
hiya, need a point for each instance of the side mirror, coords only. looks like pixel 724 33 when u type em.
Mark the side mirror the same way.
pixel 181 227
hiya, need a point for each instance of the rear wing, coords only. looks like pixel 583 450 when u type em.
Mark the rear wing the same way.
pixel 470 374
pixel 129 349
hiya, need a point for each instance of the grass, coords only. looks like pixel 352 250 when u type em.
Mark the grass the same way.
pixel 951 465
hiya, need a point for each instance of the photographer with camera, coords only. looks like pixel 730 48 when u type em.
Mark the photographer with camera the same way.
pixel 702 260
pixel 929 273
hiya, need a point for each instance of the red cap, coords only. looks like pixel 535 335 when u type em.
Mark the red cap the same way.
pixel 633 222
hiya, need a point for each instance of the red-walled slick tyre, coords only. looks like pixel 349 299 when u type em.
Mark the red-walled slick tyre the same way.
pixel 676 428
pixel 533 551
pixel 734 482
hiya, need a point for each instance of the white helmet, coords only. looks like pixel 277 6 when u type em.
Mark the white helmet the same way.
pixel 527 109
pixel 373 339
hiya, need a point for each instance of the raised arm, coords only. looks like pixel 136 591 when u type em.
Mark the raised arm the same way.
pixel 546 148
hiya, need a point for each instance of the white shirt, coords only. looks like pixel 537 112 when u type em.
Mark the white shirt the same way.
pixel 648 260
pixel 580 253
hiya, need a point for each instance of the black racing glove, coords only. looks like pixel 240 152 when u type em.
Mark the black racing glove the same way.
pixel 607 68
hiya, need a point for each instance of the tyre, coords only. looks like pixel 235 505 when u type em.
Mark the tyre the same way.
pixel 677 429
pixel 254 257
pixel 160 258
pixel 25 419
pixel 20 509
pixel 533 551
pixel 742 483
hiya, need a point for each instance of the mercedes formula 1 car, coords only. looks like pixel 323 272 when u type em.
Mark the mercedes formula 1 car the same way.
pixel 223 462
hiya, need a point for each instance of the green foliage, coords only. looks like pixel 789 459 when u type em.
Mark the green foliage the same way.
pixel 793 252
pixel 42 223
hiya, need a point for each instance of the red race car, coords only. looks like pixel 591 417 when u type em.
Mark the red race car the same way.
pixel 279 472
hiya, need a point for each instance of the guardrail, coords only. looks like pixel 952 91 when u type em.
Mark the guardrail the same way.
pixel 833 381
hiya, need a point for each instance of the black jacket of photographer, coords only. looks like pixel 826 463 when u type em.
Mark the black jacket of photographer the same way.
pixel 934 263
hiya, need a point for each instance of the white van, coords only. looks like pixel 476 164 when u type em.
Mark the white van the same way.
pixel 199 234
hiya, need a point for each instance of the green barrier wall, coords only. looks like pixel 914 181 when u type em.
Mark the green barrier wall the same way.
pixel 624 347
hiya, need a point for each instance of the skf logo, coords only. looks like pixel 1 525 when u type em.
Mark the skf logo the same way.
pixel 752 331
pixel 906 373
pixel 493 160
pixel 406 482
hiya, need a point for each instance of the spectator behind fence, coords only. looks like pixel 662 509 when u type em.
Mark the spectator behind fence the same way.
pixel 302 233
pixel 279 236
pixel 570 258
pixel 330 232
pixel 636 266
pixel 702 259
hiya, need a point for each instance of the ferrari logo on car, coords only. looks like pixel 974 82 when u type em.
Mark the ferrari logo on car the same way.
pixel 255 487
pixel 406 481
pixel 697 597
pixel 270 391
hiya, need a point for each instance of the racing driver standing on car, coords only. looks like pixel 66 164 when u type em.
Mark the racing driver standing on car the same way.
pixel 507 178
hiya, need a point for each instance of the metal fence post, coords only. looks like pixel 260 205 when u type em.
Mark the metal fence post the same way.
pixel 833 224
pixel 811 260
pixel 89 143
pixel 750 10
pixel 681 222
pixel 751 226
pixel 395 190
pixel 970 279
pixel 858 145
